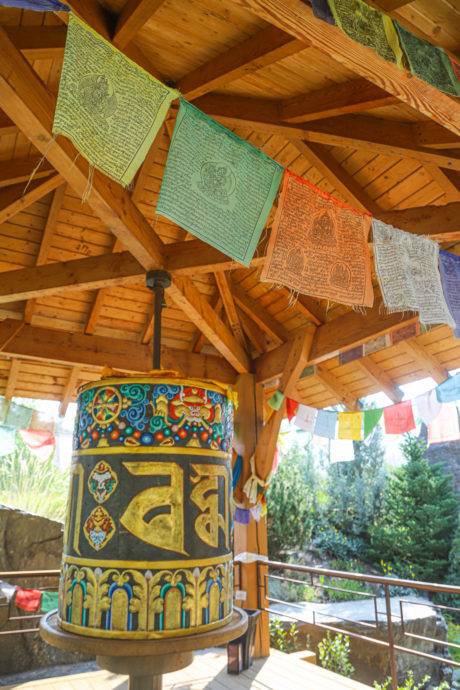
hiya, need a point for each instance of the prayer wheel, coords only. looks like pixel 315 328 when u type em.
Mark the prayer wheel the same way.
pixel 147 540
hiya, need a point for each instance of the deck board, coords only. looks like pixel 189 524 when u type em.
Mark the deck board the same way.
pixel 209 672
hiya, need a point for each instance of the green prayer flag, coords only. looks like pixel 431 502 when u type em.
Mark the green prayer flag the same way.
pixel 217 186
pixel 108 106
pixel 18 416
pixel 369 27
pixel 276 400
pixel 371 419
pixel 49 601
pixel 428 62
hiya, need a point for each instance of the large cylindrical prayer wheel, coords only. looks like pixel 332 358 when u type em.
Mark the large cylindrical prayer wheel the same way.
pixel 147 543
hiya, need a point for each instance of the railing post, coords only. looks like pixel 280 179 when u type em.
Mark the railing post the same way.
pixel 391 640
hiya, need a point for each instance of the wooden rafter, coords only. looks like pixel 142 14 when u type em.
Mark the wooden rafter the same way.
pixel 12 378
pixel 296 17
pixel 438 222
pixel 193 257
pixel 264 48
pixel 224 286
pixel 133 16
pixel 335 387
pixel 198 338
pixel 306 305
pixel 253 332
pixel 266 322
pixel 13 199
pixel 427 362
pixel 48 232
pixel 69 390
pixel 97 351
pixel 20 170
pixel 46 43
pixel 380 378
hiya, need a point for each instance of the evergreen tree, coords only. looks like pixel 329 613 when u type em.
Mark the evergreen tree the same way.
pixel 415 530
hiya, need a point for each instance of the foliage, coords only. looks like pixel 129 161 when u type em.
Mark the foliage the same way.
pixel 291 502
pixel 410 684
pixel 290 591
pixel 32 484
pixel 352 589
pixel 416 525
pixel 453 635
pixel 334 654
pixel 282 639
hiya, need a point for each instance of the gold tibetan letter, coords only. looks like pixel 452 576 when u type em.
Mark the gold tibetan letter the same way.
pixel 165 531
pixel 206 496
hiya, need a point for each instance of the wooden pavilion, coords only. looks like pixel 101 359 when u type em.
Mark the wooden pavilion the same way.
pixel 72 290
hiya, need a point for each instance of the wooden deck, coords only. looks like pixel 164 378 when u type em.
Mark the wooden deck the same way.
pixel 208 672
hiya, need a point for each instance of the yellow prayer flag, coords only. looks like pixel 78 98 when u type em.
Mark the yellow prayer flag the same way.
pixel 350 426
pixel 109 107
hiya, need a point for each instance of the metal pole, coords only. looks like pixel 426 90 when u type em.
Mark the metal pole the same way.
pixel 391 641
pixel 157 281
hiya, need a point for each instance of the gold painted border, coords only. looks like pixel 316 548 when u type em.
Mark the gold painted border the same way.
pixel 147 565
pixel 200 383
pixel 156 450
pixel 142 634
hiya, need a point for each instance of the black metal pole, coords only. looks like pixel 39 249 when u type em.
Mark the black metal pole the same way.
pixel 157 281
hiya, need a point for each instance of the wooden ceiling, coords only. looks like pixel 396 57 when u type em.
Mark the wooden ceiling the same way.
pixel 72 295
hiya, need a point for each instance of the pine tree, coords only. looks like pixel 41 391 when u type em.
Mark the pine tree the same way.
pixel 415 531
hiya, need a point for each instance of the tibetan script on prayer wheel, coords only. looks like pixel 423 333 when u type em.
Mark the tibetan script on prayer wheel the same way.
pixel 147 540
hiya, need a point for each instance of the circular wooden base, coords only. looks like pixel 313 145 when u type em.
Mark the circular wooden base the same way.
pixel 144 661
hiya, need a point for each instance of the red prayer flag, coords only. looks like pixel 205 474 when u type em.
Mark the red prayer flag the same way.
pixel 291 408
pixel 36 438
pixel 28 599
pixel 399 418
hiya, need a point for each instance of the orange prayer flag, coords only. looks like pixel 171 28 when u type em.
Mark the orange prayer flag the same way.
pixel 399 418
pixel 318 245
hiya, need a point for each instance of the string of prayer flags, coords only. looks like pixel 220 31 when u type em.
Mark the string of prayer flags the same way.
pixel 216 185
pixel 427 406
pixel 242 516
pixel 399 418
pixel 18 416
pixel 49 601
pixel 449 390
pixel 375 345
pixel 428 62
pixel 404 333
pixel 306 418
pixel 352 354
pixel 371 418
pixel 325 425
pixel 449 266
pixel 350 426
pixel 322 11
pixel 369 27
pixel 37 5
pixel 36 438
pixel 318 245
pixel 276 400
pixel 407 269
pixel 445 427
pixel 109 107
pixel 28 599
pixel 291 408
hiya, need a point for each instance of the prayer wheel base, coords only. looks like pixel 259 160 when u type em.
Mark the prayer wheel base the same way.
pixel 144 661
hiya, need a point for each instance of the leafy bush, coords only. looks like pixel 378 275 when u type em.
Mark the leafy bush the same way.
pixel 416 526
pixel 290 591
pixel 331 542
pixel 32 484
pixel 352 588
pixel 282 639
pixel 453 635
pixel 410 684
pixel 334 654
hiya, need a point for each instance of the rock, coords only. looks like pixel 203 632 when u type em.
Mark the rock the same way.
pixel 29 542
pixel 370 660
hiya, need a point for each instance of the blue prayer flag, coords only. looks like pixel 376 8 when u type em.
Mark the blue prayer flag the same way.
pixel 449 390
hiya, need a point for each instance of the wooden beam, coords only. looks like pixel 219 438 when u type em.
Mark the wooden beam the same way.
pixel 13 199
pixel 335 387
pixel 39 43
pixel 79 274
pixel 186 296
pixel 7 126
pixel 48 233
pixel 12 378
pixel 224 286
pixel 267 46
pixel 440 223
pixel 430 134
pixel 266 322
pixel 45 344
pixel 306 305
pixel 296 17
pixel 341 99
pixel 199 340
pixel 20 170
pixel 69 390
pixel 194 256
pixel 30 105
pixel 133 16
pixel 390 5
pixel 344 183
pixel 380 378
pixel 428 363
pixel 254 333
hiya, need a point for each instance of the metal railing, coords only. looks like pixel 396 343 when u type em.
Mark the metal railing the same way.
pixel 27 579
pixel 318 578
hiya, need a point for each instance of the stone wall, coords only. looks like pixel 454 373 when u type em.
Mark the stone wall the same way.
pixel 29 542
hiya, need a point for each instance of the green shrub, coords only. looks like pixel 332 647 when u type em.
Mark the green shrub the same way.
pixel 282 639
pixel 352 589
pixel 409 684
pixel 334 654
